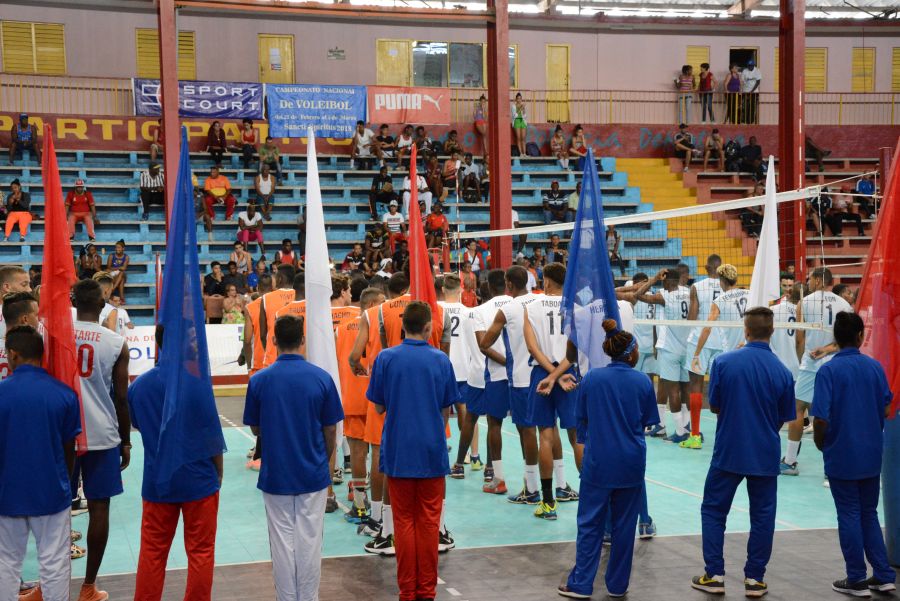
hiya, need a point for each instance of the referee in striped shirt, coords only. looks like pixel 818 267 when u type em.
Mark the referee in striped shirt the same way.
pixel 152 189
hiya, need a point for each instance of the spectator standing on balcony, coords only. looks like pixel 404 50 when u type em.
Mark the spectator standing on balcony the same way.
pixel 578 147
pixel 24 136
pixel 866 188
pixel 382 191
pixel 684 146
pixel 752 158
pixel 451 144
pixel 264 185
pixel 424 193
pixel 480 117
pixel 573 200
pixel 249 142
pixel 684 83
pixel 448 175
pixel 732 95
pixel 117 266
pixel 241 257
pixel 159 141
pixel 714 148
pixel 18 210
pixel 471 175
pixel 841 211
pixel 363 145
pixel 217 190
pixel 705 88
pixel 216 145
pixel 436 226
pixel 271 156
pixel 555 204
pixel 520 123
pixel 404 144
pixel 751 78
pixel 250 229
pixel 558 147
pixel 153 189
pixel 80 207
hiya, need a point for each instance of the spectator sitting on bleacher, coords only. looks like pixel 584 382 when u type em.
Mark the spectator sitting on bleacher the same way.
pixel 815 153
pixel 80 206
pixel 214 281
pixel 866 187
pixel 301 228
pixel 355 261
pixel 264 185
pixel 241 257
pixel 250 229
pixel 217 190
pixel 572 201
pixel 159 141
pixel 555 252
pixel 89 262
pixel 233 305
pixel 394 224
pixel 117 266
pixel 271 156
pixel 537 259
pixel 382 191
pixel 123 320
pixel 424 144
pixel 375 245
pixel 684 146
pixel 153 189
pixel 405 143
pixel 235 278
pixel 24 136
pixel 436 226
pixel 473 257
pixel 714 148
pixel 386 143
pixel 471 175
pixel 818 208
pixel 448 175
pixel 578 147
pixel 424 193
pixel 363 146
pixel 18 210
pixel 451 144
pixel 613 244
pixel 286 255
pixel 752 217
pixel 555 204
pixel 249 141
pixel 385 269
pixel 433 177
pixel 254 277
pixel 523 238
pixel 216 145
pixel 558 147
pixel 841 211
pixel 400 257
pixel 752 158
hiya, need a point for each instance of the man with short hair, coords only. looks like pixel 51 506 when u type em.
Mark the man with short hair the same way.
pixel 102 357
pixel 750 80
pixel 853 398
pixel 363 145
pixel 376 243
pixel 714 147
pixel 39 416
pixel 394 224
pixel 381 191
pixel 270 155
pixel 573 200
pixel 193 493
pixel 24 136
pixel 18 309
pixel 235 278
pixel 272 302
pixel 217 190
pixel 424 193
pixel 752 158
pixel 12 279
pixel 414 445
pixel 80 208
pixel 153 189
pixel 786 281
pixel 250 228
pixel 471 175
pixel 684 146
pixel 436 226
pixel 752 394
pixel 555 204
pixel 296 406
pixel 214 281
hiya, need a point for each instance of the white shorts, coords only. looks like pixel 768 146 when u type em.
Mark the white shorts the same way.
pixel 671 366
pixel 805 386
pixel 707 355
pixel 365 151
pixel 647 363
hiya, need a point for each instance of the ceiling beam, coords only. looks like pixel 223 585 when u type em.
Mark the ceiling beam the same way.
pixel 742 7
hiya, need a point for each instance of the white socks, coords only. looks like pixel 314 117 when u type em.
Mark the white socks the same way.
pixel 662 409
pixel 387 526
pixel 443 511
pixel 345 446
pixel 376 510
pixel 685 415
pixel 559 473
pixel 679 423
pixel 498 470
pixel 793 449
pixel 531 478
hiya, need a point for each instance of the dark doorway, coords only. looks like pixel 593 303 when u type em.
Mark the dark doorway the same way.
pixel 740 56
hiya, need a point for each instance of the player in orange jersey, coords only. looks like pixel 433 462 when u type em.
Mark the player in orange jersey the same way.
pixel 271 303
pixel 297 307
pixel 253 352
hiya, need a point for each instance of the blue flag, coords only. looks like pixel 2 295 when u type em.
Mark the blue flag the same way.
pixel 190 429
pixel 589 294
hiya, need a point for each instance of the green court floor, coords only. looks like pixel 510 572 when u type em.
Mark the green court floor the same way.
pixel 674 485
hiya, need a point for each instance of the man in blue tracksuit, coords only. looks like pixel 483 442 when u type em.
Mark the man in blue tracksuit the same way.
pixel 753 395
pixel 852 399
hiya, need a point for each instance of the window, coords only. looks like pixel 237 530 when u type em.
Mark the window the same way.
pixel 696 56
pixel 430 64
pixel 467 65
pixel 513 67
pixel 895 70
pixel 815 69
pixel 147 43
pixel 863 70
pixel 34 48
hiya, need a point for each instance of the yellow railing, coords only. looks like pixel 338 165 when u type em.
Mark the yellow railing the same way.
pixel 113 96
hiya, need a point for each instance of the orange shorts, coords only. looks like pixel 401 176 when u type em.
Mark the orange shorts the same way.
pixel 355 426
pixel 374 425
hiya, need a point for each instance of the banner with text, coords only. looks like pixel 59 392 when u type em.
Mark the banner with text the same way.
pixel 225 344
pixel 427 106
pixel 213 99
pixel 332 111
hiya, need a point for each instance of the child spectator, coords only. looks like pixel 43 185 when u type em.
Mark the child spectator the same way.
pixel 117 266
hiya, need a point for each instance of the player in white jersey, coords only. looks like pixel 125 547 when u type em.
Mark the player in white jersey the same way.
pixel 643 333
pixel 19 309
pixel 508 325
pixel 12 279
pixel 671 346
pixel 819 307
pixel 784 340
pixel 490 369
pixel 102 357
pixel 109 316
pixel 123 320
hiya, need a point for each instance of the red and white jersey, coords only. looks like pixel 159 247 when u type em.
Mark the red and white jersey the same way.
pixel 97 349
pixel 454 314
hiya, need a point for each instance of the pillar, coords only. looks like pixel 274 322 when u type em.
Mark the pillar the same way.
pixel 791 127
pixel 499 125
pixel 884 167
pixel 168 72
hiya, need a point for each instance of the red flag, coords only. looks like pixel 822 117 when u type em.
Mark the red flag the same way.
pixel 879 295
pixel 55 309
pixel 421 280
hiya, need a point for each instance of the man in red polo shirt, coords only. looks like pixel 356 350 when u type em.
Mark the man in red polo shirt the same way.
pixel 80 207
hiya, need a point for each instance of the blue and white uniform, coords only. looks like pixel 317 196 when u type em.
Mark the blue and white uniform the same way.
pixel 820 307
pixel 645 338
pixel 454 315
pixel 518 359
pixel 545 317
pixel 732 305
pixel 784 340
pixel 495 399
pixel 671 342
pixel 708 290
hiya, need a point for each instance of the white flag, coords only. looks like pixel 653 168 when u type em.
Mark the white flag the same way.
pixel 766 280
pixel 319 330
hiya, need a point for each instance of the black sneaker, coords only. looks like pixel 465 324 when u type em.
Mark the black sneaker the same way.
pixel 875 584
pixel 331 504
pixel 854 589
pixel 488 474
pixel 458 472
pixel 709 584
pixel 368 527
pixel 337 477
pixel 381 545
pixel 445 541
pixel 754 588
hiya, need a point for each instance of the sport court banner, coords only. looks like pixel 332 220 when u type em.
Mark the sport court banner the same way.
pixel 208 99
pixel 429 106
pixel 332 111
pixel 225 344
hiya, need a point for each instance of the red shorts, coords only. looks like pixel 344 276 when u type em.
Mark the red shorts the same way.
pixel 374 425
pixel 355 426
